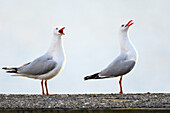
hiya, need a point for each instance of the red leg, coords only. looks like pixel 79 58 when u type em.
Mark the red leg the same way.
pixel 47 89
pixel 42 88
pixel 120 83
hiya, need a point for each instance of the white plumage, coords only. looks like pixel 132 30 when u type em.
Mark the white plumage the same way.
pixel 46 66
pixel 122 64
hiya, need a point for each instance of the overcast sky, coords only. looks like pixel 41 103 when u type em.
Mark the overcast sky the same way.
pixel 91 43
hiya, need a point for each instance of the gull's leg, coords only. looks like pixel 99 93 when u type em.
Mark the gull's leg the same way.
pixel 42 88
pixel 120 83
pixel 47 94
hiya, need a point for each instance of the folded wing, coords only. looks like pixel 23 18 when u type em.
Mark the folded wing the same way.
pixel 118 67
pixel 39 66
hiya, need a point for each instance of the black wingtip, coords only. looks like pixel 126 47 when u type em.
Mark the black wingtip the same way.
pixel 4 68
pixel 86 78
pixel 11 71
pixel 94 76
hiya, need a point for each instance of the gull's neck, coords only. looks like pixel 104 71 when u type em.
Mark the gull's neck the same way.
pixel 126 45
pixel 56 47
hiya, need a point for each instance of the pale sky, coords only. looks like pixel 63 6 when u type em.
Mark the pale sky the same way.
pixel 91 43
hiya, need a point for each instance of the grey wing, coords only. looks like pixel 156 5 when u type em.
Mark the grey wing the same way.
pixel 118 68
pixel 39 66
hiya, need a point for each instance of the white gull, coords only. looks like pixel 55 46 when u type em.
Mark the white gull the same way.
pixel 46 66
pixel 122 64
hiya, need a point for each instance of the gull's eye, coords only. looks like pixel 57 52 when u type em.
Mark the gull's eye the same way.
pixel 122 25
pixel 56 28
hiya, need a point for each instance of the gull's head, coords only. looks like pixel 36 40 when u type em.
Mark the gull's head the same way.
pixel 125 27
pixel 59 31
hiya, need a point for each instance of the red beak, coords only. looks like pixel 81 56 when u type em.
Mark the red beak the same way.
pixel 61 31
pixel 129 23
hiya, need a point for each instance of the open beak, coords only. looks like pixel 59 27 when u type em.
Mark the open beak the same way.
pixel 129 23
pixel 61 31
